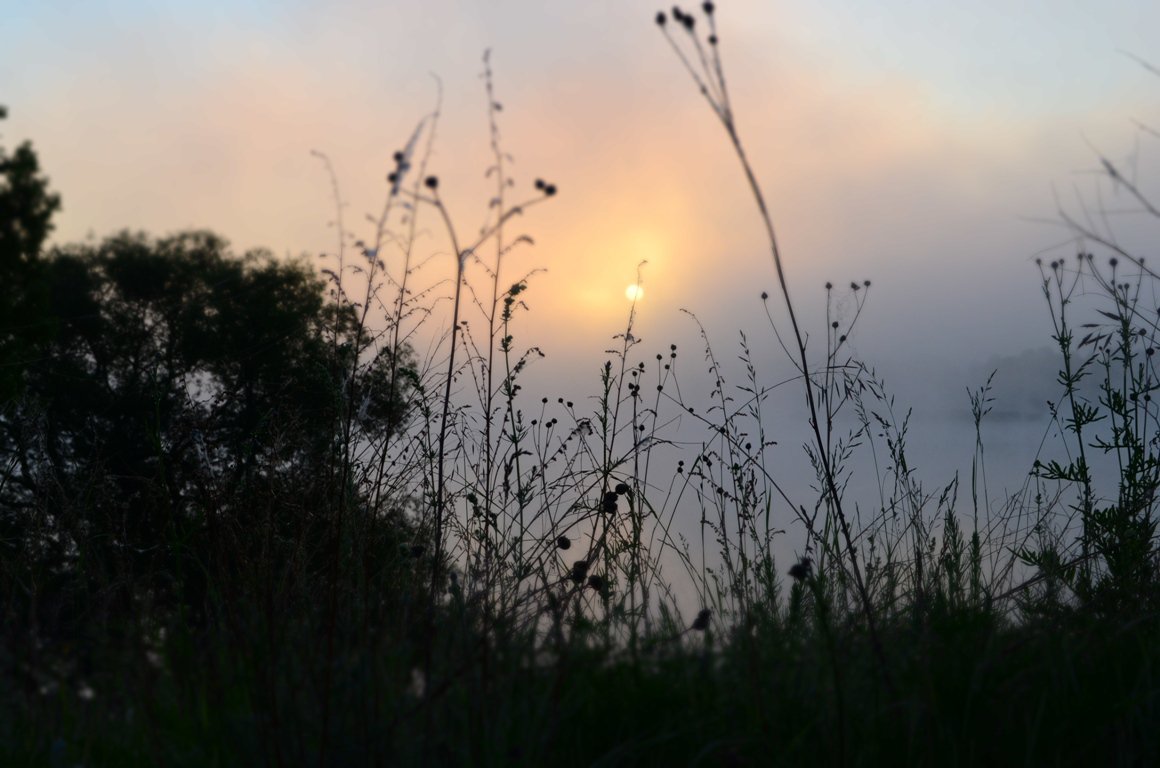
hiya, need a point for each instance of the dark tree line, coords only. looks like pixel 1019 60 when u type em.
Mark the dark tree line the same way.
pixel 172 425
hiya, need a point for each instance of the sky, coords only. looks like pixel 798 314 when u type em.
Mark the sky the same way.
pixel 925 146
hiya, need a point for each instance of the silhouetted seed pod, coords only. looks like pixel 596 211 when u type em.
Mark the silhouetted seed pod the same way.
pixel 609 503
pixel 431 182
pixel 549 189
pixel 596 582
pixel 564 542
pixel 802 569
pixel 701 623
pixel 661 18
pixel 540 184
pixel 579 570
pixel 707 7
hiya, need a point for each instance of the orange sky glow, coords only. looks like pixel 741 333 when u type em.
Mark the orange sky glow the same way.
pixel 916 173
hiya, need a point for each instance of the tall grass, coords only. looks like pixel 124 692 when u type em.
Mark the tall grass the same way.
pixel 506 578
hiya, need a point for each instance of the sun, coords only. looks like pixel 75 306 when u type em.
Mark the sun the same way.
pixel 634 292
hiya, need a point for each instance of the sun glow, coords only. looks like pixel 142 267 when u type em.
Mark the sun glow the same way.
pixel 634 292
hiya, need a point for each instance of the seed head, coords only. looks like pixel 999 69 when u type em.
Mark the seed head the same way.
pixel 661 18
pixel 802 569
pixel 622 488
pixel 609 503
pixel 708 8
pixel 596 582
pixel 540 184
pixel 701 623
pixel 579 570
pixel 431 182
pixel 564 542
pixel 712 39
pixel 764 295
pixel 549 189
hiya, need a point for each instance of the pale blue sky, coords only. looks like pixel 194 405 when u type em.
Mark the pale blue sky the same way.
pixel 1032 58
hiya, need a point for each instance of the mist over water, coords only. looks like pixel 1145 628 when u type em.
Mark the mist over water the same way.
pixel 930 393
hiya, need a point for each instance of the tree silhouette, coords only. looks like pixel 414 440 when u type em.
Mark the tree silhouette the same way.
pixel 26 210
pixel 175 423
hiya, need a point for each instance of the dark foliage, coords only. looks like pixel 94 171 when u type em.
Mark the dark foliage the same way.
pixel 175 436
pixel 26 209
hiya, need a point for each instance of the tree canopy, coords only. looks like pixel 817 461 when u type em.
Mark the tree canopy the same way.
pixel 26 210
pixel 171 411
